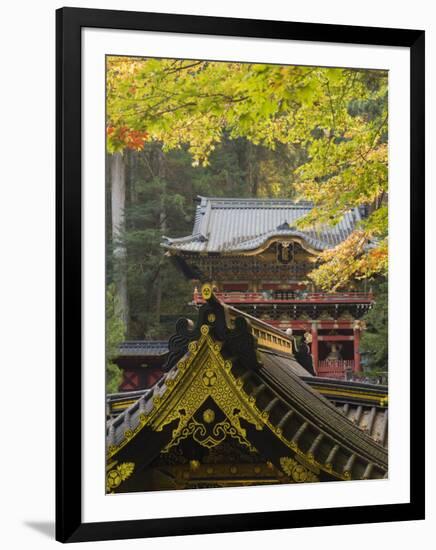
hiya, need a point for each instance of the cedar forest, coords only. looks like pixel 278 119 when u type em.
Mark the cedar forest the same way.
pixel 181 128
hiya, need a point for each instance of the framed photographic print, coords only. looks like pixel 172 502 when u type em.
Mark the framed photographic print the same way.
pixel 240 241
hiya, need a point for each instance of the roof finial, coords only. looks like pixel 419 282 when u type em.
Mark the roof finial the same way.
pixel 207 291
pixel 284 225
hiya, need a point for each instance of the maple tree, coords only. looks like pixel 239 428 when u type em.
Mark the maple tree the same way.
pixel 337 118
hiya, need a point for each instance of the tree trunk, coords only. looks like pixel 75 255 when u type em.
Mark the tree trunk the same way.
pixel 253 179
pixel 162 225
pixel 118 201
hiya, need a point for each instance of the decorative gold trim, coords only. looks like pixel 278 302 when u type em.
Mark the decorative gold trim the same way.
pixel 382 399
pixel 200 434
pixel 115 476
pixel 277 239
pixel 122 404
pixel 206 291
pixel 225 474
pixel 297 472
pixel 202 373
pixel 188 391
pixel 208 416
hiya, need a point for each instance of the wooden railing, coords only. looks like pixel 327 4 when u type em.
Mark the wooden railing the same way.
pixel 267 335
pixel 337 369
pixel 291 297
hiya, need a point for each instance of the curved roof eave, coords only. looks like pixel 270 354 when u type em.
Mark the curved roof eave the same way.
pixel 253 244
pixel 198 243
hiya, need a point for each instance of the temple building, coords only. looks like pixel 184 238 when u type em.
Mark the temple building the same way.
pixel 258 260
pixel 259 389
pixel 233 407
pixel 141 363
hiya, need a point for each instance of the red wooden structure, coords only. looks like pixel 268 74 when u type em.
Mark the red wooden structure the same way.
pixel 297 298
pixel 335 369
pixel 323 332
pixel 259 259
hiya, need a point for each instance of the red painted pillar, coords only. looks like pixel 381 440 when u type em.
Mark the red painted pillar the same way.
pixel 357 366
pixel 314 347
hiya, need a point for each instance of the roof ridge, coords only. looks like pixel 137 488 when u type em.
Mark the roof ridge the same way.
pixel 231 200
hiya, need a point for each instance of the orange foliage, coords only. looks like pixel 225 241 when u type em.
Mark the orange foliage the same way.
pixel 132 139
pixel 352 259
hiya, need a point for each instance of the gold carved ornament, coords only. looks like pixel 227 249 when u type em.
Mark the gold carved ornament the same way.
pixel 204 373
pixel 116 475
pixel 211 377
pixel 297 472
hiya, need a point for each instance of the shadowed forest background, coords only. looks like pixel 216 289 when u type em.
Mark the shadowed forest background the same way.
pixel 177 129
pixel 160 192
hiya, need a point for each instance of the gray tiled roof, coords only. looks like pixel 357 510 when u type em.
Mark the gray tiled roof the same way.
pixel 232 225
pixel 143 347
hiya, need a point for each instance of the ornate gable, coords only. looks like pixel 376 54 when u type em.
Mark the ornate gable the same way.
pixel 216 389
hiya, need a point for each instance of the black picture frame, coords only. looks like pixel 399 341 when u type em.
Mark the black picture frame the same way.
pixel 69 525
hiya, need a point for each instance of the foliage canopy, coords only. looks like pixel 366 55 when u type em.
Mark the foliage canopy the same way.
pixel 374 342
pixel 334 119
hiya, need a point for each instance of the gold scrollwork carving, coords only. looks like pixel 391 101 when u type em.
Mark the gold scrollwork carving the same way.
pixel 209 376
pixel 205 438
pixel 192 346
pixel 201 374
pixel 189 390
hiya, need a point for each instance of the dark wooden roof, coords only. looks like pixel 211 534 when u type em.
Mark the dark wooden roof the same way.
pixel 365 405
pixel 295 416
pixel 147 348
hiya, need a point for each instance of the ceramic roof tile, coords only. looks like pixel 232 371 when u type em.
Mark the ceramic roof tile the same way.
pixel 232 225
